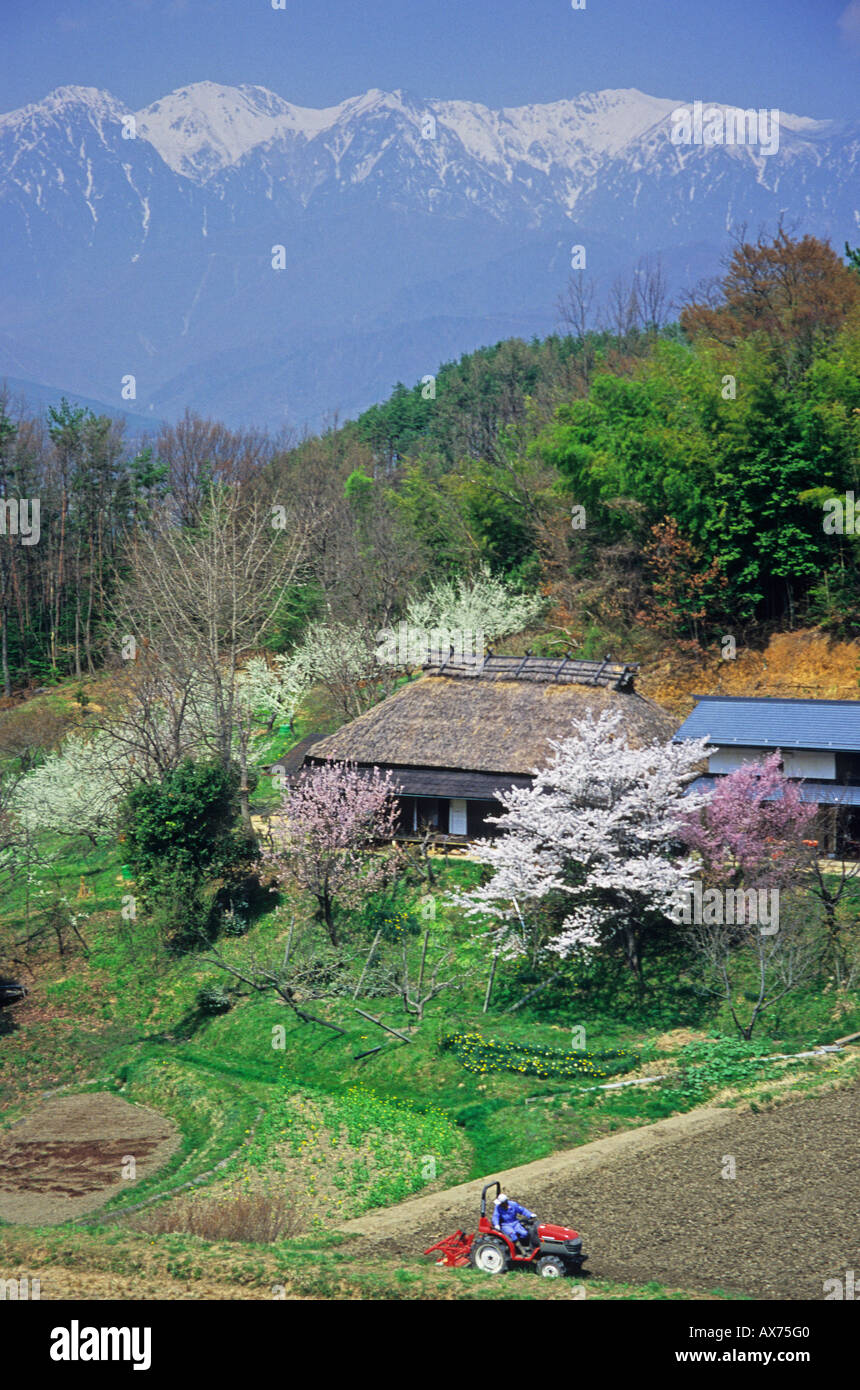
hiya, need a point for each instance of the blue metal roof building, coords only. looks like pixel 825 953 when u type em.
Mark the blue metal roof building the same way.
pixel 773 723
pixel 819 745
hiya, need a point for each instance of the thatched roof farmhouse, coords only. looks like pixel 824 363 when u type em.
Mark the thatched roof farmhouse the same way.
pixel 467 730
pixel 464 732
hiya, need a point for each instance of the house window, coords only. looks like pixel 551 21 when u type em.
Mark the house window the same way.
pixel 848 768
pixel 428 812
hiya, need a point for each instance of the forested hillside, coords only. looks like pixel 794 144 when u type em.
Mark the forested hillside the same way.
pixel 654 480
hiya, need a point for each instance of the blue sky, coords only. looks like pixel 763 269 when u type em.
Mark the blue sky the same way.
pixel 798 55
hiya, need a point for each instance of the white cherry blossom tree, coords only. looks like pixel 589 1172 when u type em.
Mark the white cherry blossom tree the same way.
pixel 598 828
pixel 77 790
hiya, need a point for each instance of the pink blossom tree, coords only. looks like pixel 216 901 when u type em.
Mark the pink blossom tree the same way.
pixel 751 830
pixel 752 833
pixel 333 818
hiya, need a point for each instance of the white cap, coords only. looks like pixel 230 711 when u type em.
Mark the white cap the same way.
pixel 502 1197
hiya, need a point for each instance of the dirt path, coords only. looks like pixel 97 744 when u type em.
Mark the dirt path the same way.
pixel 68 1156
pixel 653 1203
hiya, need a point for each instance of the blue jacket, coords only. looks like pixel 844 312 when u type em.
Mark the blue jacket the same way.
pixel 506 1219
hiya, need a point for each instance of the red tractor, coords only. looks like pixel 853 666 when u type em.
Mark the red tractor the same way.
pixel 555 1250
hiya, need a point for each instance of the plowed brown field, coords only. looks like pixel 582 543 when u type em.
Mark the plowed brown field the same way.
pixel 653 1204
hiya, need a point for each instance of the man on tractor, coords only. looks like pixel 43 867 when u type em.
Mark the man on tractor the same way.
pixel 509 1216
pixel 510 1238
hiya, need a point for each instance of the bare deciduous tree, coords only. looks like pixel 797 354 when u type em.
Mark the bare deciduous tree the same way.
pixel 579 315
pixel 294 984
pixel 778 962
pixel 830 888
pixel 416 993
pixel 652 292
pixel 201 597
pixel 201 452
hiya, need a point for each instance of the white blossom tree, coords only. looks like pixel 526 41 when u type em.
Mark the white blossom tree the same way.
pixel 275 689
pixel 76 790
pixel 598 829
pixel 347 658
pixel 342 658
pixel 484 604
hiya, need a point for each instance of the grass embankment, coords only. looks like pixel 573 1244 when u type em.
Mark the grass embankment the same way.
pixel 349 1133
pixel 112 1262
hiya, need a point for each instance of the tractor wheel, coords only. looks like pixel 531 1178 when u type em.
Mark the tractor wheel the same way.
pixel 489 1256
pixel 551 1267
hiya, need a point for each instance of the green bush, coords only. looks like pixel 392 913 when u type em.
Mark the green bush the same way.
pixel 177 834
pixel 182 825
pixel 715 1063
pixel 180 910
pixel 214 999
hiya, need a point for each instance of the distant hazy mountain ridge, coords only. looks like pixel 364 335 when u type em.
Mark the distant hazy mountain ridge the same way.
pixel 140 242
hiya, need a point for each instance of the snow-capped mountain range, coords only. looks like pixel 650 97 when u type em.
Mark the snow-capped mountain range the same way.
pixel 141 242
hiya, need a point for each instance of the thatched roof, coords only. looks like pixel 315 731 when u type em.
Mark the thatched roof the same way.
pixel 483 725
pixel 565 669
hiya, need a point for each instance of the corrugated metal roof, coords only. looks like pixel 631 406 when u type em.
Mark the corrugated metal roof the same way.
pixel 767 723
pixel 821 793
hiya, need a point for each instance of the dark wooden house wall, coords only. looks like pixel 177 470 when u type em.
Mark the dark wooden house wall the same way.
pixel 434 811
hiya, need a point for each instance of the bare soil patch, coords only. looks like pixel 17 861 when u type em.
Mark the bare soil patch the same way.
pixel 66 1157
pixel 794 665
